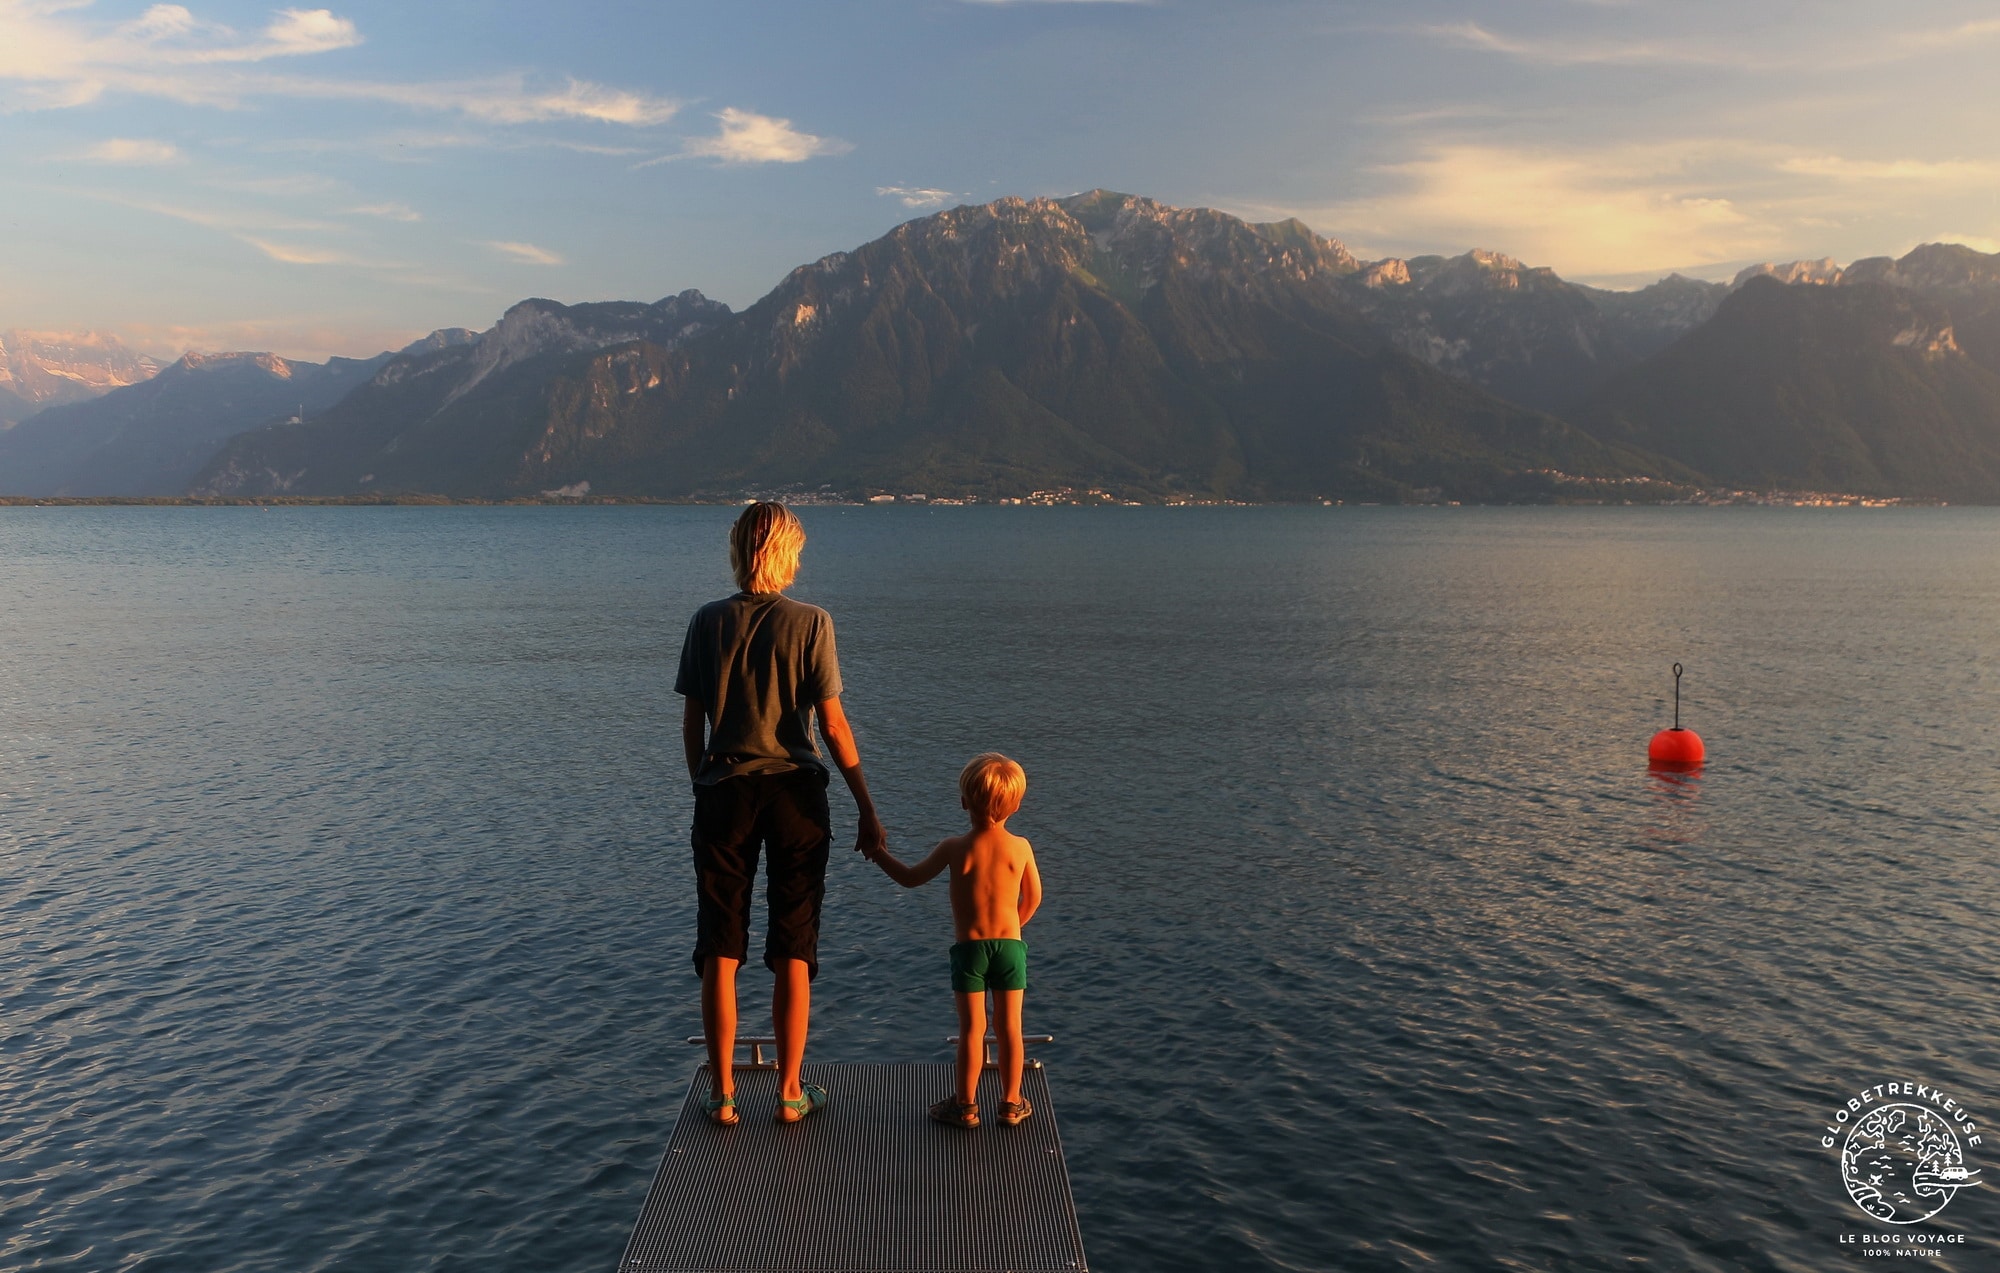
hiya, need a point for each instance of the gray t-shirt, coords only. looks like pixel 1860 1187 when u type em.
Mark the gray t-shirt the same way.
pixel 759 662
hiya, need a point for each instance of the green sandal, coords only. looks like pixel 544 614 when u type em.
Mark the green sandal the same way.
pixel 813 1100
pixel 715 1105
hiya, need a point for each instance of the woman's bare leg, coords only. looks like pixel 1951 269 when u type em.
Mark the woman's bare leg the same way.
pixel 718 1022
pixel 791 1008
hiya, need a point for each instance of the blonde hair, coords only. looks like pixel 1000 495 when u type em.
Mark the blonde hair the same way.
pixel 992 785
pixel 764 548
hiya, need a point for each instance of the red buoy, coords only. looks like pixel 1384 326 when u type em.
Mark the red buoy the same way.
pixel 1676 746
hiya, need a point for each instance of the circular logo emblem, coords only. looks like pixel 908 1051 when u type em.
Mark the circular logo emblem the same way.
pixel 1903 1163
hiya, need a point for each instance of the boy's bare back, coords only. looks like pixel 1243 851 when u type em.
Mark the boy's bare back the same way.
pixel 995 887
pixel 993 876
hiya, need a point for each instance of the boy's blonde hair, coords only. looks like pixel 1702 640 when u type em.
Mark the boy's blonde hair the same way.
pixel 992 785
pixel 764 548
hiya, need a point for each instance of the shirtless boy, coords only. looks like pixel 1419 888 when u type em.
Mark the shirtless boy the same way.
pixel 995 888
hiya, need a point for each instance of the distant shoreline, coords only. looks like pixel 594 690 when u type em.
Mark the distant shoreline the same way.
pixel 1734 499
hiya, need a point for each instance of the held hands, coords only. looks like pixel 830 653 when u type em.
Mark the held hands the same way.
pixel 869 840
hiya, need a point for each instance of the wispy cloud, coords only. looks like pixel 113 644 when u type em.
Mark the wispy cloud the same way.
pixel 236 219
pixel 132 150
pixel 506 100
pixel 1947 37
pixel 56 58
pixel 296 254
pixel 917 196
pixel 277 236
pixel 282 185
pixel 1848 54
pixel 524 253
pixel 1569 52
pixel 417 145
pixel 750 138
pixel 1966 174
pixel 388 211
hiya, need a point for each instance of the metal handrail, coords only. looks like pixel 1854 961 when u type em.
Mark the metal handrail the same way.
pixel 993 1048
pixel 755 1042
pixel 758 1042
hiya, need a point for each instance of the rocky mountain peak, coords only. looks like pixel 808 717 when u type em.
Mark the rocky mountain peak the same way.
pixel 1153 238
pixel 1390 273
pixel 1939 266
pixel 537 327
pixel 1476 271
pixel 41 368
pixel 442 338
pixel 194 361
pixel 1823 272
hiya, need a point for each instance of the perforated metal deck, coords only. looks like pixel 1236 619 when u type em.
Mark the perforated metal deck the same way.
pixel 868 1185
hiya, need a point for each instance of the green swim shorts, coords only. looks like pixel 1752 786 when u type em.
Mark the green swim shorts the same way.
pixel 998 964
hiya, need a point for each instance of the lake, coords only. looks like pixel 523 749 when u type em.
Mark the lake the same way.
pixel 345 903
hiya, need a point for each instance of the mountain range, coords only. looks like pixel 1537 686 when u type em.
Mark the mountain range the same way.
pixel 151 438
pixel 42 369
pixel 1110 342
pixel 1097 341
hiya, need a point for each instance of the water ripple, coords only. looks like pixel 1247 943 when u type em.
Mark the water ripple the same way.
pixel 343 884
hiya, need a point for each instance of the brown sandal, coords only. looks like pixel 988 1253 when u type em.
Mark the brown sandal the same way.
pixel 950 1112
pixel 1014 1113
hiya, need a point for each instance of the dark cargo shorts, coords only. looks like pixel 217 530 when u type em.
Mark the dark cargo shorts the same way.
pixel 786 814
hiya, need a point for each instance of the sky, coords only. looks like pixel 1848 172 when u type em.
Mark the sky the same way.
pixel 316 181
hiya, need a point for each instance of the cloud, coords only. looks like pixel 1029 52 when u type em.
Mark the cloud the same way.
pixel 1642 207
pixel 296 31
pixel 1618 210
pixel 1853 50
pixel 235 220
pixel 291 254
pixel 1948 37
pixel 501 100
pixel 1954 173
pixel 749 138
pixel 1585 53
pixel 130 150
pixel 276 236
pixel 917 196
pixel 55 59
pixel 524 253
pixel 282 185
pixel 412 146
pixel 388 211
pixel 1977 242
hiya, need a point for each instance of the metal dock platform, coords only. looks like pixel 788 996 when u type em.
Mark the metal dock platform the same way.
pixel 868 1185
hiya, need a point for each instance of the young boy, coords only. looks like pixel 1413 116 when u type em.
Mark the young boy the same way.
pixel 995 889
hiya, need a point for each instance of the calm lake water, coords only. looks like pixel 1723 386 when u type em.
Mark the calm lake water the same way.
pixel 345 903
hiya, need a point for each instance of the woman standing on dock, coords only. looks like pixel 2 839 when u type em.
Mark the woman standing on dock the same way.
pixel 755 669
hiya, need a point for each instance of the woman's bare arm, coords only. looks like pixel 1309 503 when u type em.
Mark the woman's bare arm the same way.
pixel 833 726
